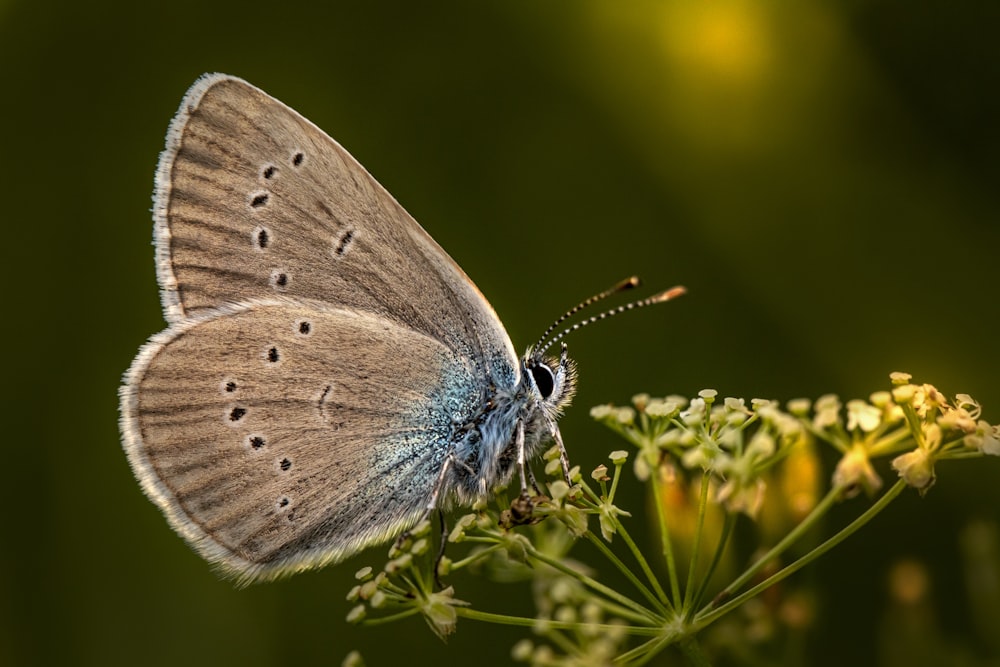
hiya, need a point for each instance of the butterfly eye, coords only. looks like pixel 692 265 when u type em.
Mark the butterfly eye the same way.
pixel 544 379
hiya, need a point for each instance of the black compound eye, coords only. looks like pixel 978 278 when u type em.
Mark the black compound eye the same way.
pixel 544 379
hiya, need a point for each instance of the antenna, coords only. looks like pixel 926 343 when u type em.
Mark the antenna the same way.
pixel 626 284
pixel 662 297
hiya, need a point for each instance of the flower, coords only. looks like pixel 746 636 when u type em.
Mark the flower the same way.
pixel 986 439
pixel 618 457
pixel 799 406
pixel 665 408
pixel 961 417
pixel 625 415
pixel 601 412
pixel 439 611
pixel 916 468
pixel 742 495
pixel 899 378
pixel 827 409
pixel 863 416
pixel 743 487
pixel 574 518
pixel 695 412
pixel 855 472
pixel 353 659
pixel 607 515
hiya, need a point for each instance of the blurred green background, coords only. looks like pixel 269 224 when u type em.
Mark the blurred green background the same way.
pixel 822 176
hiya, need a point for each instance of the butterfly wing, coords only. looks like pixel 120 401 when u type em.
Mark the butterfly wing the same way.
pixel 279 435
pixel 254 201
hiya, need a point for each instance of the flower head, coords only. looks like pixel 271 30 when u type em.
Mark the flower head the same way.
pixel 986 439
pixel 862 416
pixel 916 468
pixel 855 472
pixel 826 412
pixel 438 610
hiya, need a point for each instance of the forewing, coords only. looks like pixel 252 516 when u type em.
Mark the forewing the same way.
pixel 253 201
pixel 278 436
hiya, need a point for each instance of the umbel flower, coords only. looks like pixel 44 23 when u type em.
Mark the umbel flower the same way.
pixel 708 463
pixel 941 429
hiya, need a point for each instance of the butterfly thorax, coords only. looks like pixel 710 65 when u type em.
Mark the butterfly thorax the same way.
pixel 486 447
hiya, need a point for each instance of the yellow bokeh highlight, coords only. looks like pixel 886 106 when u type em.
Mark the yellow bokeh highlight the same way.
pixel 714 80
pixel 720 43
pixel 679 500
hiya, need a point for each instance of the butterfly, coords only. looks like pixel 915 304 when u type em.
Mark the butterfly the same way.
pixel 329 375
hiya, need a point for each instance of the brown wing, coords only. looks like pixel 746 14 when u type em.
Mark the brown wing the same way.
pixel 278 436
pixel 254 201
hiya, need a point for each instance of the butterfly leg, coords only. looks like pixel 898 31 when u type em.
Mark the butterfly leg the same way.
pixel 533 482
pixel 522 507
pixel 519 442
pixel 522 464
pixel 432 502
pixel 563 456
pixel 439 484
pixel 440 554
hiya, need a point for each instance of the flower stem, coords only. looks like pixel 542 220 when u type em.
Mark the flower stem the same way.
pixel 668 550
pixel 821 508
pixel 645 652
pixel 459 564
pixel 611 593
pixel 720 549
pixel 691 648
pixel 621 612
pixel 610 555
pixel 689 584
pixel 382 620
pixel 641 559
pixel 705 618
pixel 504 619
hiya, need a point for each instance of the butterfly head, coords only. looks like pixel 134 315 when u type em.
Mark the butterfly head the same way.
pixel 551 380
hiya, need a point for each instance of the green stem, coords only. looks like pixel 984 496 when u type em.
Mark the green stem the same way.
pixel 618 610
pixel 465 562
pixel 504 619
pixel 704 619
pixel 689 585
pixel 492 539
pixel 720 549
pixel 821 508
pixel 963 455
pixel 641 559
pixel 412 583
pixel 888 444
pixel 652 617
pixel 691 648
pixel 668 550
pixel 387 586
pixel 913 422
pixel 604 549
pixel 562 641
pixel 644 652
pixel 614 482
pixel 382 620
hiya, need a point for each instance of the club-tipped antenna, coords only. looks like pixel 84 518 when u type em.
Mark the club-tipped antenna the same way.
pixel 626 284
pixel 662 297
